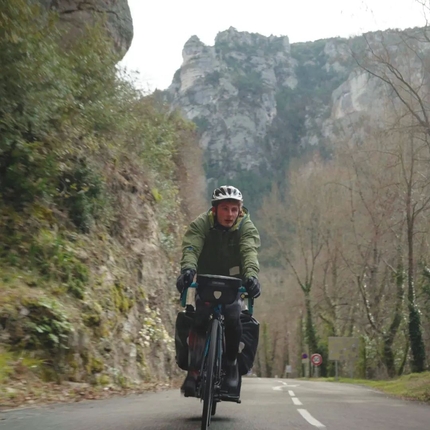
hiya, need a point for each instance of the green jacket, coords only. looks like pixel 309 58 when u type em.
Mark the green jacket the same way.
pixel 218 252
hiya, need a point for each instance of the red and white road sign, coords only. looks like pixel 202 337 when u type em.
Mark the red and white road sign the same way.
pixel 316 359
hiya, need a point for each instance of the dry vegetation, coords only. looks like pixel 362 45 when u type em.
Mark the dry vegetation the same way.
pixel 349 235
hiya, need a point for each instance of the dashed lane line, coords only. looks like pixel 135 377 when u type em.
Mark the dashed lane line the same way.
pixel 296 401
pixel 303 412
pixel 310 419
pixel 289 385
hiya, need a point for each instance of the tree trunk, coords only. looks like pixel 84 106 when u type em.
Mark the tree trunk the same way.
pixel 286 351
pixel 415 329
pixel 404 359
pixel 310 332
pixel 388 338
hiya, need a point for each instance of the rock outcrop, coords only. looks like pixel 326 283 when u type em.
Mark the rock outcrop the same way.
pixel 75 15
pixel 229 90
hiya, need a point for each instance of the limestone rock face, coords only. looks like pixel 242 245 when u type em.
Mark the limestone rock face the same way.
pixel 229 90
pixel 76 14
pixel 258 101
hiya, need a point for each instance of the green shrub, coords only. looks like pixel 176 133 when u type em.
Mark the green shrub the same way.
pixel 85 196
pixel 46 326
pixel 65 118
pixel 47 113
pixel 55 259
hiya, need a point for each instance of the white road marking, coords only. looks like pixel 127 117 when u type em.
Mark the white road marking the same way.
pixel 310 419
pixel 291 393
pixel 296 401
pixel 278 388
pixel 287 385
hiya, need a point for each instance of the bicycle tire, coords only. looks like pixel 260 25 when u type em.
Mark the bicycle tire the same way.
pixel 209 380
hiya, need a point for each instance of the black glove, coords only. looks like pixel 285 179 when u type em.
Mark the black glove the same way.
pixel 185 279
pixel 253 287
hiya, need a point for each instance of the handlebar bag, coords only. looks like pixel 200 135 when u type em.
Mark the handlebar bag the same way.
pixel 218 290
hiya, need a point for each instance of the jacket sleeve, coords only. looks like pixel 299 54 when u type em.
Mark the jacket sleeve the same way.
pixel 192 243
pixel 249 245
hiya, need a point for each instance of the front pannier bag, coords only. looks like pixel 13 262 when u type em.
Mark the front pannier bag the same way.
pixel 182 330
pixel 250 334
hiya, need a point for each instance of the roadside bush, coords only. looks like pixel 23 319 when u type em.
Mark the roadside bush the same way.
pixel 43 326
pixel 47 326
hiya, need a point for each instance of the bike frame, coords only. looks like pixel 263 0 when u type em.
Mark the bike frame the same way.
pixel 211 366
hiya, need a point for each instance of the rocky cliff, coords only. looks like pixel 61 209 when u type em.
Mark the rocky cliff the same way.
pixel 229 90
pixel 259 101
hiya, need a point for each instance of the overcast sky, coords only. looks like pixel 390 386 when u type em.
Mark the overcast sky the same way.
pixel 162 27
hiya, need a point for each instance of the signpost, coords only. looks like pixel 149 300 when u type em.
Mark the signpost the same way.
pixel 316 360
pixel 305 364
pixel 343 349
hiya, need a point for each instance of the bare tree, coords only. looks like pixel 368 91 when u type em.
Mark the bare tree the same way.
pixel 408 80
pixel 293 223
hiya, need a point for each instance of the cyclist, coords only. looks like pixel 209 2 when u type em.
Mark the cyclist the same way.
pixel 223 241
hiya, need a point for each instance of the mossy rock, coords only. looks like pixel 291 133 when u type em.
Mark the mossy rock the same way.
pixel 92 315
pixel 140 356
pixel 123 381
pixel 92 364
pixel 121 301
pixel 103 380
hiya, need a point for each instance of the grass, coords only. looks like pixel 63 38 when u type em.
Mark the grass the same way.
pixel 415 386
pixel 17 363
pixel 5 367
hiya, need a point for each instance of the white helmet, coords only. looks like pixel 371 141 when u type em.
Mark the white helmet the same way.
pixel 226 192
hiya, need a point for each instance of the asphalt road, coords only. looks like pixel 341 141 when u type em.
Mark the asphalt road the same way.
pixel 266 404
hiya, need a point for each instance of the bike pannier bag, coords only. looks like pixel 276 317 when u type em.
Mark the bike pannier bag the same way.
pixel 250 335
pixel 182 330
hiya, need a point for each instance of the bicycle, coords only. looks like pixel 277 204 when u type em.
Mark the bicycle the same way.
pixel 218 291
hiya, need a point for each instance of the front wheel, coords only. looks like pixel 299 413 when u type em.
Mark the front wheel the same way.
pixel 208 399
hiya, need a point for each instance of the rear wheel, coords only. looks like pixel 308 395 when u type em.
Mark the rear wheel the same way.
pixel 208 397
